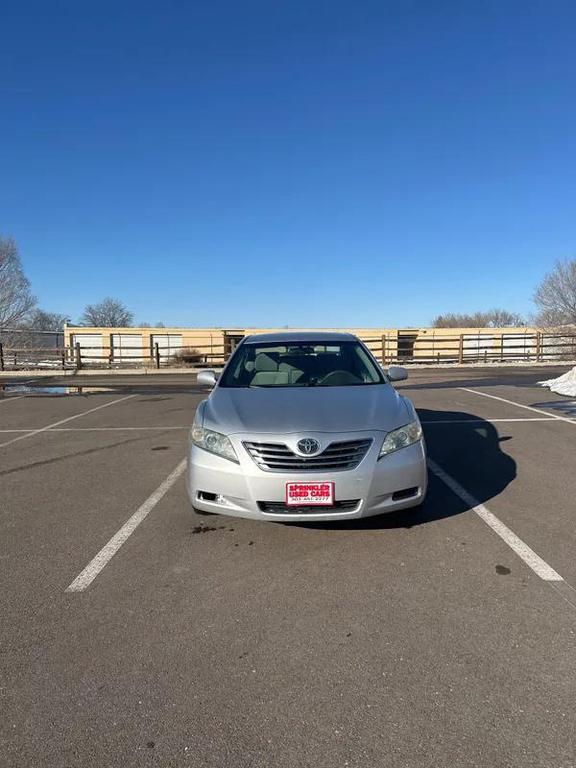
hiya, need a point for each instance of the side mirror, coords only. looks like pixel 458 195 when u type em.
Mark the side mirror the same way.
pixel 207 378
pixel 397 373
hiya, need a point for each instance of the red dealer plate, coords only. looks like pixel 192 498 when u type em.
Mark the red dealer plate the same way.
pixel 320 494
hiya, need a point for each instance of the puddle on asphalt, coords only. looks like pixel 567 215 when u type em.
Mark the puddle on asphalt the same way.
pixel 25 389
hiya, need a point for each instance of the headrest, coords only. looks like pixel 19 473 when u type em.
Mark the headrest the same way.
pixel 264 362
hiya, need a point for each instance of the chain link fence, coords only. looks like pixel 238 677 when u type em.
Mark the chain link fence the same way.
pixel 29 349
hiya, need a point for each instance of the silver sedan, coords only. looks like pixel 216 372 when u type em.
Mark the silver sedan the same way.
pixel 305 426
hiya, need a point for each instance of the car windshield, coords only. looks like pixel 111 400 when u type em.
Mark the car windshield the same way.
pixel 301 364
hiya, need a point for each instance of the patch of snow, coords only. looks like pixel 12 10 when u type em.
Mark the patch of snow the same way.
pixel 563 385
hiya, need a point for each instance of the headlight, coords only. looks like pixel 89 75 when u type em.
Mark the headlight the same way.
pixel 400 438
pixel 213 442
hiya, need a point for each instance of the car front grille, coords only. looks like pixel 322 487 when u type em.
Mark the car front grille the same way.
pixel 279 508
pixel 277 457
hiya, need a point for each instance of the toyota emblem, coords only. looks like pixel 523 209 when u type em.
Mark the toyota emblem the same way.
pixel 308 446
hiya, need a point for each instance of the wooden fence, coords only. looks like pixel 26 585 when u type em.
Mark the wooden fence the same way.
pixel 79 356
pixel 541 346
pixel 390 349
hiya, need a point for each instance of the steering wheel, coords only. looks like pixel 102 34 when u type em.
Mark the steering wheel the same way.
pixel 339 378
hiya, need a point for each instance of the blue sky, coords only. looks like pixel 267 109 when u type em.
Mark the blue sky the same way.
pixel 262 163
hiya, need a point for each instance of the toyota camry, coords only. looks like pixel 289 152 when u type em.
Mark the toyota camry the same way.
pixel 305 426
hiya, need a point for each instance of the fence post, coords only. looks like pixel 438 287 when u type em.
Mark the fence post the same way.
pixel 157 354
pixel 63 356
pixel 383 349
pixel 78 352
pixel 501 347
pixel 461 349
pixel 1 357
pixel 538 346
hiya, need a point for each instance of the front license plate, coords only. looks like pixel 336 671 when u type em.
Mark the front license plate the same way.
pixel 320 494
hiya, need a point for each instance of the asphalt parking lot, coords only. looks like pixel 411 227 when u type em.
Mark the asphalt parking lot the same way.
pixel 135 633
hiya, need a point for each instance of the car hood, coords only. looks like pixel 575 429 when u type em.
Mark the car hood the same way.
pixel 300 409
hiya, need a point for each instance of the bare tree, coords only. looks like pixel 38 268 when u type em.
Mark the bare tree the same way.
pixel 502 318
pixel 493 318
pixel 109 313
pixel 40 320
pixel 41 330
pixel 555 297
pixel 16 299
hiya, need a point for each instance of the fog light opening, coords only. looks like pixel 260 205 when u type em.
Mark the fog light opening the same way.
pixel 215 498
pixel 205 496
pixel 406 493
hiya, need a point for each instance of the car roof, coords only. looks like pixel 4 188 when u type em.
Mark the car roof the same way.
pixel 294 336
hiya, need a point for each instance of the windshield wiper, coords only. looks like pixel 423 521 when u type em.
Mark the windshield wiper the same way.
pixel 272 386
pixel 359 384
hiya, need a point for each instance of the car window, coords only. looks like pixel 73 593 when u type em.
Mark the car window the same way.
pixel 301 364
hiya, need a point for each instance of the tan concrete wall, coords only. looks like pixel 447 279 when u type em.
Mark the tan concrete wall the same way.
pixel 430 343
pixel 436 343
pixel 208 341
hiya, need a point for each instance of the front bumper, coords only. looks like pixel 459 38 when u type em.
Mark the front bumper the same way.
pixel 221 486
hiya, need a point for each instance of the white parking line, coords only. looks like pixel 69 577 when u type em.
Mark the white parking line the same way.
pixel 162 429
pixel 519 405
pixel 483 421
pixel 64 421
pixel 122 429
pixel 532 560
pixel 101 429
pixel 87 576
pixel 10 399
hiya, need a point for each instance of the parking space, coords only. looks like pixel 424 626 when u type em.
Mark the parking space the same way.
pixel 424 638
pixel 517 460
